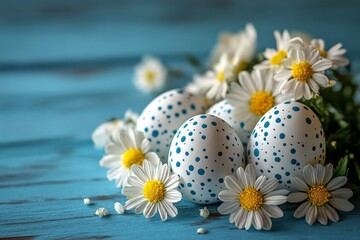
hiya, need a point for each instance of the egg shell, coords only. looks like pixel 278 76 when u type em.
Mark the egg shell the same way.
pixel 164 115
pixel 205 150
pixel 288 137
pixel 224 110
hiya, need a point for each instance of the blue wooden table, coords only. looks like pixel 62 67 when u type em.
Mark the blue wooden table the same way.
pixel 67 66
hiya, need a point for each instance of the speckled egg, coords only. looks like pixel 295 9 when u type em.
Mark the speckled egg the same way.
pixel 224 110
pixel 164 115
pixel 288 137
pixel 204 150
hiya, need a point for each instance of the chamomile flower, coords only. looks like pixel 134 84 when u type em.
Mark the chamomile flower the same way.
pixel 250 200
pixel 101 135
pixel 303 73
pixel 321 194
pixel 274 57
pixel 127 147
pixel 256 94
pixel 150 75
pixel 151 189
pixel 245 50
pixel 335 53
pixel 214 83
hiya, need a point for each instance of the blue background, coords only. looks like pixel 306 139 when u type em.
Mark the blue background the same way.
pixel 67 66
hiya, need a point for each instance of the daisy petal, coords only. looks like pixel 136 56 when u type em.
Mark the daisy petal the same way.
pixel 228 207
pixel 336 183
pixel 273 211
pixel 297 197
pixel 173 196
pixel 150 210
pixel 134 202
pixel 258 222
pixel 322 65
pixel 322 218
pixel 162 212
pixel 232 184
pixel 311 215
pixel 299 184
pixel 302 209
pixel 249 220
pixel 270 185
pixel 275 200
pixel 341 204
pixel 309 175
pixel 331 213
pixel 170 208
pixel 227 196
pixel 344 193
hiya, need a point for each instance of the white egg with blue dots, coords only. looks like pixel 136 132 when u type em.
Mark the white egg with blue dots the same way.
pixel 204 150
pixel 164 115
pixel 224 111
pixel 288 137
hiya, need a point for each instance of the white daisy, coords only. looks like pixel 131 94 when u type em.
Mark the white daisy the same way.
pixel 256 94
pixel 335 53
pixel 274 57
pixel 303 73
pixel 320 194
pixel 251 201
pixel 101 135
pixel 150 75
pixel 213 83
pixel 150 189
pixel 245 50
pixel 126 148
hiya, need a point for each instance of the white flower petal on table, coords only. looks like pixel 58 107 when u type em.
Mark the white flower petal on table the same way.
pixel 302 209
pixel 311 215
pixel 119 208
pixel 341 204
pixel 228 207
pixel 297 197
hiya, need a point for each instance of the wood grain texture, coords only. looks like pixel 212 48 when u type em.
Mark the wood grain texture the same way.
pixel 66 66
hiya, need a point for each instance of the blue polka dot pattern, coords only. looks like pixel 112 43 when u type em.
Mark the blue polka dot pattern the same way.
pixel 279 147
pixel 224 110
pixel 206 157
pixel 164 115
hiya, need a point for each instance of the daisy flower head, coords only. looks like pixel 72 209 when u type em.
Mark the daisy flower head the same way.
pixel 150 75
pixel 335 53
pixel 320 194
pixel 214 83
pixel 127 147
pixel 250 200
pixel 101 135
pixel 256 94
pixel 151 189
pixel 235 43
pixel 274 57
pixel 245 50
pixel 303 73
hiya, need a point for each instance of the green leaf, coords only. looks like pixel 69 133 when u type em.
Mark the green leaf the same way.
pixel 342 169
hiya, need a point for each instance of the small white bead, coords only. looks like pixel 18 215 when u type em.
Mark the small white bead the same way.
pixel 119 208
pixel 101 212
pixel 204 212
pixel 87 201
pixel 201 231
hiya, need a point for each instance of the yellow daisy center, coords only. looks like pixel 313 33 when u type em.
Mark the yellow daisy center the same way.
pixel 278 57
pixel 240 67
pixel 323 53
pixel 133 156
pixel 261 102
pixel 302 71
pixel 251 199
pixel 154 191
pixel 318 195
pixel 221 76
pixel 150 75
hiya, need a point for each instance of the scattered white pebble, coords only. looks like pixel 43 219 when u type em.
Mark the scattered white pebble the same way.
pixel 204 212
pixel 201 231
pixel 119 208
pixel 101 212
pixel 87 201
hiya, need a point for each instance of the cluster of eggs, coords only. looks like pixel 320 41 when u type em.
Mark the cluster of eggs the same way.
pixel 203 148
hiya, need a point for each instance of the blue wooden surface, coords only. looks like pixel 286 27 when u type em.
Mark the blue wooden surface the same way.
pixel 67 66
